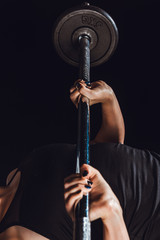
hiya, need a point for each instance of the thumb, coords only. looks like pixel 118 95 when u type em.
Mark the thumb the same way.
pixel 88 171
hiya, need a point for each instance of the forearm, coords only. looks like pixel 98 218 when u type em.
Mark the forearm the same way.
pixel 112 127
pixel 115 229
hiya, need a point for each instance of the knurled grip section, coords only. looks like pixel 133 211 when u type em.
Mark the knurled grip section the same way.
pixel 84 58
pixel 82 229
pixel 82 223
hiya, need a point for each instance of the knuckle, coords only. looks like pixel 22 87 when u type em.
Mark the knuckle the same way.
pixel 100 82
pixel 66 185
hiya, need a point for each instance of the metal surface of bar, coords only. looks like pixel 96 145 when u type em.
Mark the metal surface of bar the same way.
pixel 83 107
pixel 82 224
pixel 84 63
pixel 77 31
pixel 82 229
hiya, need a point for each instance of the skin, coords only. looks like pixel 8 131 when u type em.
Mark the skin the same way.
pixel 112 127
pixel 103 202
pixel 6 196
pixel 112 130
pixel 7 193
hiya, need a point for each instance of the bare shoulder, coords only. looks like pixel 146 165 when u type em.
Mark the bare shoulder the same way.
pixel 10 175
pixel 19 233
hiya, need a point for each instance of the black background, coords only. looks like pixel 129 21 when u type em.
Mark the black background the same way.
pixel 35 108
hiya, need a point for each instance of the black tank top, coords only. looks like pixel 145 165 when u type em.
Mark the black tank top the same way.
pixel 134 176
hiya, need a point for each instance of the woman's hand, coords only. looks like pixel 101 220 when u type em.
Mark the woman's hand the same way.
pixel 112 128
pixel 103 201
pixel 75 186
pixel 97 92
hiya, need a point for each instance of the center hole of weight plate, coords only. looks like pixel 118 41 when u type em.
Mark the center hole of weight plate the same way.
pixel 85 31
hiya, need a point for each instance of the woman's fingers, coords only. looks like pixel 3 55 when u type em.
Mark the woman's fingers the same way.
pixel 76 188
pixel 81 89
pixel 77 85
pixel 78 90
pixel 73 195
pixel 103 201
pixel 88 171
pixel 74 95
pixel 97 92
pixel 73 180
pixel 71 202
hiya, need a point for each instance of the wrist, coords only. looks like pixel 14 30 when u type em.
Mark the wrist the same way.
pixel 113 212
pixel 114 219
pixel 109 97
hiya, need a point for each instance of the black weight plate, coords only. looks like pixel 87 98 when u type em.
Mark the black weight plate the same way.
pixel 95 20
